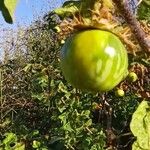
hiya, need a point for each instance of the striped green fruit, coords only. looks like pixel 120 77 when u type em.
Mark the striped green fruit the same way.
pixel 94 60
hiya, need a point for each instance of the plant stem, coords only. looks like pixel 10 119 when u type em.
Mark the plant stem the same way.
pixel 1 98
pixel 135 26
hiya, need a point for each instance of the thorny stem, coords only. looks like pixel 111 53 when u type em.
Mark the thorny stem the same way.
pixel 135 26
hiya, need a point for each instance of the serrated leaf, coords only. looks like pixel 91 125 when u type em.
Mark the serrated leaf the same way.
pixel 10 138
pixel 8 7
pixel 140 126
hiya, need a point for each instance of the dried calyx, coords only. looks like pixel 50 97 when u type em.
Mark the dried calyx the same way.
pixel 106 16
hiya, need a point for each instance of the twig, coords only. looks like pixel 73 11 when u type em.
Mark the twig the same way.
pixel 110 135
pixel 135 26
pixel 1 93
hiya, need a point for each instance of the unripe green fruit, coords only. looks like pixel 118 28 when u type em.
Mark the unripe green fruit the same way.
pixel 119 93
pixel 57 29
pixel 132 77
pixel 62 42
pixel 94 60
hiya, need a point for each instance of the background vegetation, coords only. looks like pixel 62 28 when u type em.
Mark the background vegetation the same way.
pixel 40 110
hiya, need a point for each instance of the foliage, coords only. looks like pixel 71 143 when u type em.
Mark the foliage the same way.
pixel 144 10
pixel 68 8
pixel 140 126
pixel 40 110
pixel 35 93
pixel 10 142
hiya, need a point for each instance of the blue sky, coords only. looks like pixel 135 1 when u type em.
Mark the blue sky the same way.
pixel 27 10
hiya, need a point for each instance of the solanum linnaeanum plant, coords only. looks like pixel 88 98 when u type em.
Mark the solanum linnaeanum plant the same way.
pixel 94 60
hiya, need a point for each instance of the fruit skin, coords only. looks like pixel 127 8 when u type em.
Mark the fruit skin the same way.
pixel 132 77
pixel 94 60
pixel 119 93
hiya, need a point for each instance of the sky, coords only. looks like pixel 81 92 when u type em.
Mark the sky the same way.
pixel 26 12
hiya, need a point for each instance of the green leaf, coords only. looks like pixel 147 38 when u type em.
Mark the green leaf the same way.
pixel 62 117
pixel 35 132
pixel 62 88
pixel 27 67
pixel 68 8
pixel 36 144
pixel 88 123
pixel 67 127
pixel 8 7
pixel 140 126
pixel 10 138
pixel 147 2
pixel 19 146
pixel 144 10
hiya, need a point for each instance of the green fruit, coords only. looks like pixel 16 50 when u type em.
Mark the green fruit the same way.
pixel 132 77
pixel 62 42
pixel 119 93
pixel 94 60
pixel 57 29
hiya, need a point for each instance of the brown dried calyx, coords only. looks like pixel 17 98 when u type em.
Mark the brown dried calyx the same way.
pixel 107 17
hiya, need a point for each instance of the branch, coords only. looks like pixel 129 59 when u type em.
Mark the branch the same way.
pixel 135 26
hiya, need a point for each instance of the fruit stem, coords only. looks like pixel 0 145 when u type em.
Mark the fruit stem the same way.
pixel 135 26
